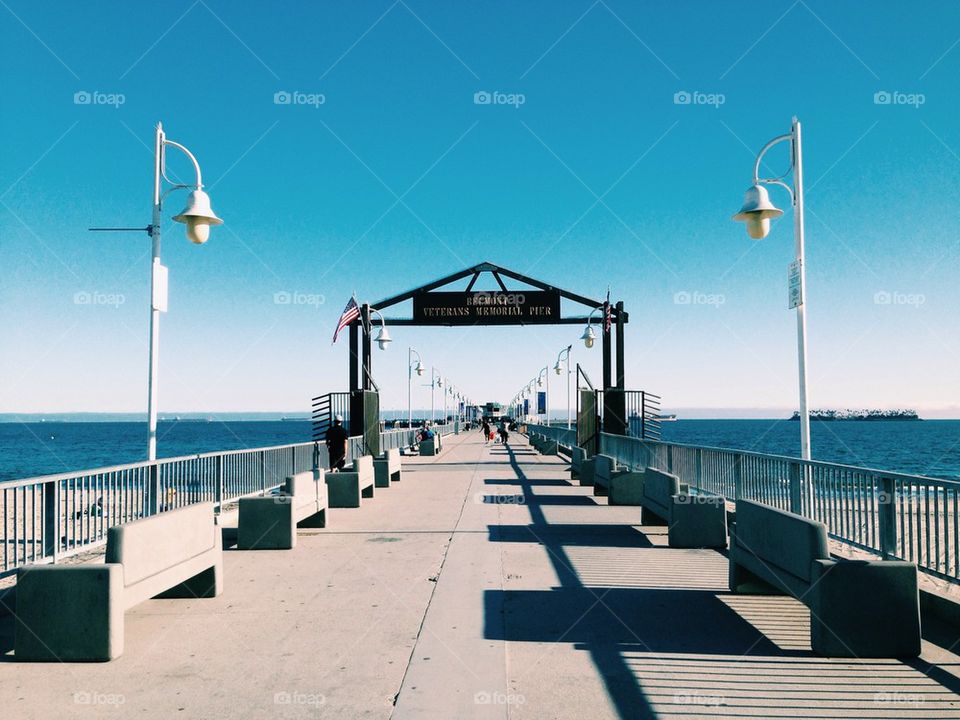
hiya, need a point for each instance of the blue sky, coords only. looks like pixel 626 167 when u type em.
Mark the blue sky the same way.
pixel 597 178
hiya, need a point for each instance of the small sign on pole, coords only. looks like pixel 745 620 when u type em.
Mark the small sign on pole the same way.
pixel 160 284
pixel 795 284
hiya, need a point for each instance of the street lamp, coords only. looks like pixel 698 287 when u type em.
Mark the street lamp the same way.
pixel 383 338
pixel 757 211
pixel 198 216
pixel 411 369
pixel 589 334
pixel 558 369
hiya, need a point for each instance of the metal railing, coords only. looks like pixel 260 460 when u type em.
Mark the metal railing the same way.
pixel 54 516
pixel 893 515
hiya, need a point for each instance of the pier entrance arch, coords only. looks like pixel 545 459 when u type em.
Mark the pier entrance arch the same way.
pixel 517 300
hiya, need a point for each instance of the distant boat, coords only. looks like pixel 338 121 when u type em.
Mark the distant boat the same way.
pixel 667 418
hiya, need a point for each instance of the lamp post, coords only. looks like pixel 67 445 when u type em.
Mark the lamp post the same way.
pixel 419 370
pixel 558 369
pixel 435 381
pixel 757 211
pixel 544 372
pixel 198 216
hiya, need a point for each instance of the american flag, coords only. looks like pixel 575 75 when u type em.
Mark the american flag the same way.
pixel 350 313
pixel 607 313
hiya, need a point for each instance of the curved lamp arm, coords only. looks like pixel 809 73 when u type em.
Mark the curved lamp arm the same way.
pixel 414 352
pixel 185 151
pixel 590 316
pixel 757 180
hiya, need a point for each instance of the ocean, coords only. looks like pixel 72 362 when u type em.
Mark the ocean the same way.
pixel 926 447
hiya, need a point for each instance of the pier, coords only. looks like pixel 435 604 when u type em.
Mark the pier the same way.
pixel 485 584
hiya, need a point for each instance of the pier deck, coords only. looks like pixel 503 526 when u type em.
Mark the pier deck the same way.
pixel 484 584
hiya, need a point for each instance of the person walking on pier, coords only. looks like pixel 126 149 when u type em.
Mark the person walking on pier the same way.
pixel 504 435
pixel 486 431
pixel 336 440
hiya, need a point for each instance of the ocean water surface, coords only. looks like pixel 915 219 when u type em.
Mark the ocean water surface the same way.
pixel 925 447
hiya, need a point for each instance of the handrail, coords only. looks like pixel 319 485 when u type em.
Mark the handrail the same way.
pixel 47 517
pixel 891 514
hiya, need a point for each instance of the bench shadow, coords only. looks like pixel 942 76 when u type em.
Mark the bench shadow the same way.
pixel 556 537
pixel 545 482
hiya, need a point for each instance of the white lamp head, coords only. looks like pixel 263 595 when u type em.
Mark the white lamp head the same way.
pixel 420 369
pixel 589 336
pixel 557 368
pixel 757 211
pixel 198 216
pixel 383 337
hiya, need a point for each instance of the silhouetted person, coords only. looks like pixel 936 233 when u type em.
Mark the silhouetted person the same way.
pixel 337 443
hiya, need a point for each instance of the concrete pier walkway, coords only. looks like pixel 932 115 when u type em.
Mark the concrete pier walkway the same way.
pixel 484 585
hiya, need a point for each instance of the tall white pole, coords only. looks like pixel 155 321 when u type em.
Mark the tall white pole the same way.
pixel 152 379
pixel 433 385
pixel 568 388
pixel 801 308
pixel 409 387
pixel 546 401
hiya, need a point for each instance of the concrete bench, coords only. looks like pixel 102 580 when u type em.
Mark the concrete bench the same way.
pixel 430 447
pixel 619 484
pixel 74 613
pixel 866 609
pixel 577 456
pixel 547 446
pixel 694 520
pixel 346 488
pixel 588 471
pixel 386 469
pixel 270 523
